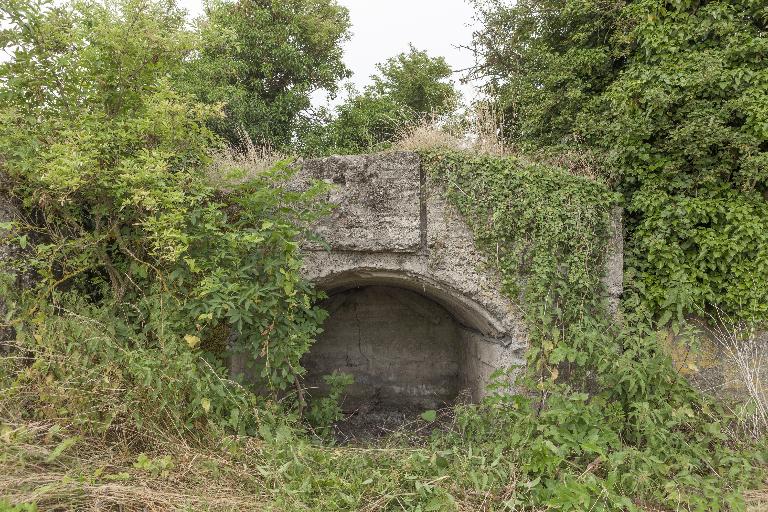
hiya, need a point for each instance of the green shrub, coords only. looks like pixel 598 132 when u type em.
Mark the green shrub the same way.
pixel 669 100
pixel 87 368
pixel 606 421
pixel 23 507
pixel 108 166
pixel 326 410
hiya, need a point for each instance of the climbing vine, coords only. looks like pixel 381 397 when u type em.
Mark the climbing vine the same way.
pixel 604 422
pixel 544 230
pixel 668 99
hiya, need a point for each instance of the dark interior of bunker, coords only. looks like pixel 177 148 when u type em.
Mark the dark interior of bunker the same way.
pixel 403 350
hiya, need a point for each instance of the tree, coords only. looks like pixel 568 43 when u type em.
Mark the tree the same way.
pixel 672 99
pixel 545 62
pixel 418 82
pixel 262 59
pixel 409 88
pixel 109 163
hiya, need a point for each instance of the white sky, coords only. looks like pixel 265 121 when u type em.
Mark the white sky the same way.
pixel 383 28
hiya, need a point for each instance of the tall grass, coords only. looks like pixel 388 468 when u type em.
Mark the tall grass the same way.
pixel 238 164
pixel 478 129
pixel 745 354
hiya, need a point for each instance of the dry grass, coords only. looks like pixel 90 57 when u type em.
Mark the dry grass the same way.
pixel 96 475
pixel 486 130
pixel 233 165
pixel 85 454
pixel 478 130
pixel 481 131
pixel 757 501
pixel 577 162
pixel 425 136
pixel 745 353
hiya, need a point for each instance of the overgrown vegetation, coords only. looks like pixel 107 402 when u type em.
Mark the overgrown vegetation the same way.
pixel 411 88
pixel 128 231
pixel 150 251
pixel 670 99
pixel 611 422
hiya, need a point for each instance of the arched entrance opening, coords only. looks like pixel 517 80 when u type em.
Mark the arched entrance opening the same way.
pixel 410 343
pixel 403 349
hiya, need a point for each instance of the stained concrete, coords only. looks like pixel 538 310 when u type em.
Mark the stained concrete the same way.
pixel 402 349
pixel 393 228
pixel 377 202
pixel 728 360
pixel 417 313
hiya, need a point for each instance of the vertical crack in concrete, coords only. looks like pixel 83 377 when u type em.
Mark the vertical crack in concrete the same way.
pixel 423 249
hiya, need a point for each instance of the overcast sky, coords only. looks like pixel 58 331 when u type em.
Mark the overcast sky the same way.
pixel 383 28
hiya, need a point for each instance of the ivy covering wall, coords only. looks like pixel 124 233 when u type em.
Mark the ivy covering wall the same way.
pixel 604 419
pixel 668 101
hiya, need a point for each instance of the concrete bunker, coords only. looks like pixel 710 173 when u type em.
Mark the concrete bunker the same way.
pixel 410 344
pixel 400 264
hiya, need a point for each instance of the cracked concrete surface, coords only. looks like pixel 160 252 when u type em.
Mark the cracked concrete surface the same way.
pixel 392 232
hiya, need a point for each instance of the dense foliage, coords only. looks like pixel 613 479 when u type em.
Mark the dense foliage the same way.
pixel 410 88
pixel 610 423
pixel 140 272
pixel 419 82
pixel 262 59
pixel 670 100
pixel 107 165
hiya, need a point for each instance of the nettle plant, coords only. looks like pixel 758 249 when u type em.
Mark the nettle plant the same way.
pixel 604 422
pixel 107 163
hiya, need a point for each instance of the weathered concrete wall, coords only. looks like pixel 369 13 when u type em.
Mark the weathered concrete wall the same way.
pixel 728 361
pixel 400 231
pixel 393 228
pixel 397 343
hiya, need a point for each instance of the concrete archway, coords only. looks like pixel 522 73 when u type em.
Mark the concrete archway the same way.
pixel 393 239
pixel 409 340
pixel 467 311
pixel 403 349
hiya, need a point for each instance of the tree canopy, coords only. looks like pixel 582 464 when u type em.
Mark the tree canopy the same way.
pixel 417 81
pixel 670 98
pixel 262 59
pixel 409 88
